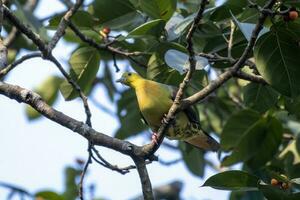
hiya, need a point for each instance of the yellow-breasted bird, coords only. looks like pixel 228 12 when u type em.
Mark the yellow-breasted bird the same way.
pixel 155 99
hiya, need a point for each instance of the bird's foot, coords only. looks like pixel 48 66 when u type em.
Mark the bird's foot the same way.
pixel 154 138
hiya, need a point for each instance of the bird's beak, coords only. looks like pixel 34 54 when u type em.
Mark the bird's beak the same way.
pixel 120 80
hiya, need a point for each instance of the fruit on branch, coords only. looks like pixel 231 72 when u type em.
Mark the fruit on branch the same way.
pixel 293 15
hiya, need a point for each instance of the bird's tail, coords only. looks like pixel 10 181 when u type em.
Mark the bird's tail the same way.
pixel 202 140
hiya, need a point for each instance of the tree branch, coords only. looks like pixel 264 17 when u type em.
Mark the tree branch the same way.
pixel 34 100
pixel 213 85
pixel 249 77
pixel 153 147
pixel 144 177
pixel 63 25
pixel 11 66
pixel 46 51
pixel 108 46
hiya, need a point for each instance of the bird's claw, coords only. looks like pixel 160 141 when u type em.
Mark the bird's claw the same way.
pixel 155 138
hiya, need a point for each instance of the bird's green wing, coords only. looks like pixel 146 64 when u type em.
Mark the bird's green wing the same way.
pixel 190 111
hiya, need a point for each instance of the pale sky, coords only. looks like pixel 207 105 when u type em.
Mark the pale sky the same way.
pixel 34 154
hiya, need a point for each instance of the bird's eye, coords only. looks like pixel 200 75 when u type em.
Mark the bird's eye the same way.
pixel 129 74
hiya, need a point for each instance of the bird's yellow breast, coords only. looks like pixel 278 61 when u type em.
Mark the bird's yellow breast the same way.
pixel 154 101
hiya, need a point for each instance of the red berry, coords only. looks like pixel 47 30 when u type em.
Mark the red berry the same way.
pixel 274 181
pixel 293 15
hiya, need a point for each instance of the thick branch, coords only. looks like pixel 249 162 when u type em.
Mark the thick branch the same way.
pixel 144 177
pixel 33 99
pixel 24 29
pixel 46 52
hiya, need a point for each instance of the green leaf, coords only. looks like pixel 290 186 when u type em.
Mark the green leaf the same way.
pixel 48 195
pixel 193 159
pixel 247 28
pixel 71 187
pixel 129 115
pixel 82 19
pixel 236 126
pixel 276 55
pixel 48 90
pixel 107 10
pixel 247 195
pixel 152 28
pixel 259 97
pixel 233 180
pixel 223 12
pixel 265 135
pixel 158 70
pixel 159 9
pixel 274 193
pixel 84 67
pixel 116 14
pixel 292 105
pixel 30 20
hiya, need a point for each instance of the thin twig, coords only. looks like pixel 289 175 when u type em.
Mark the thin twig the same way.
pixel 11 66
pixel 122 170
pixel 76 86
pixel 115 62
pixel 250 77
pixel 171 162
pixel 114 50
pixel 10 38
pixel 88 162
pixel 16 188
pixel 230 41
pixel 63 25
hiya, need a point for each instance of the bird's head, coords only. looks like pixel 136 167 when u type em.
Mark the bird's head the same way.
pixel 129 78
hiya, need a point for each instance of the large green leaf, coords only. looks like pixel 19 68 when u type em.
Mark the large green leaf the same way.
pixel 276 56
pixel 222 12
pixel 158 9
pixel 48 195
pixel 233 180
pixel 265 135
pixel 236 127
pixel 116 14
pixel 71 187
pixel 259 97
pixel 84 67
pixel 107 10
pixel 30 20
pixel 48 90
pixel 81 19
pixel 152 28
pixel 193 159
